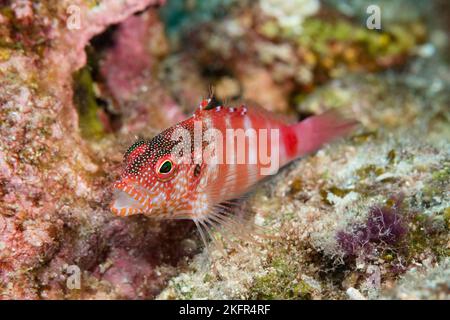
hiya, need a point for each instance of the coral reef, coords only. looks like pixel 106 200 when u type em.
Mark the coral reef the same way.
pixel 127 71
pixel 423 282
pixel 353 217
pixel 367 217
pixel 252 49
pixel 54 185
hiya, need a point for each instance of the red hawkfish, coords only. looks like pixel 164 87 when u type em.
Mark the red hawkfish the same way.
pixel 169 176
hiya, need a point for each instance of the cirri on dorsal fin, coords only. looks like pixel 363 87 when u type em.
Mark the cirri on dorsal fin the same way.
pixel 211 102
pixel 250 106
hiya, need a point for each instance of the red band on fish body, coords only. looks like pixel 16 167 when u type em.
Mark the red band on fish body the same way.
pixel 290 142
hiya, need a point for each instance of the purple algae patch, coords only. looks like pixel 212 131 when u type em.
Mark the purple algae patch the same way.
pixel 385 225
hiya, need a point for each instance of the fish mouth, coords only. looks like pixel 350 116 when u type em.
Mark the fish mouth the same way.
pixel 129 200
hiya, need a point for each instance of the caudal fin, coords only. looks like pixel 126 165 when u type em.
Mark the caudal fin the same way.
pixel 313 132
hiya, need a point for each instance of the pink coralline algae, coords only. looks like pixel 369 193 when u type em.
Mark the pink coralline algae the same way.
pixel 128 71
pixel 53 187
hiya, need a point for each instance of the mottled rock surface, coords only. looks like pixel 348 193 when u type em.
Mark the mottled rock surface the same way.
pixel 366 217
pixel 361 214
pixel 55 185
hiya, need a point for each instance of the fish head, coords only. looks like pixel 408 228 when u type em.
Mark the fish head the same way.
pixel 155 182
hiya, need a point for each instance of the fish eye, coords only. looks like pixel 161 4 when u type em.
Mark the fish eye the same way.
pixel 165 167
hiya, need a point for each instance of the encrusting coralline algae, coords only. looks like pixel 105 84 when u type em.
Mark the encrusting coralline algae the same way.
pixel 367 217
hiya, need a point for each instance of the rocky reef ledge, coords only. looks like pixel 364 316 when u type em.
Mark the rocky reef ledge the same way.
pixel 367 217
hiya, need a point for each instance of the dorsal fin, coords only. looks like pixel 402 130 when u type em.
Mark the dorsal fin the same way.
pixel 256 108
pixel 250 106
pixel 211 102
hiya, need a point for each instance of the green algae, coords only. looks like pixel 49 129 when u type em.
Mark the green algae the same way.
pixel 318 34
pixel 5 54
pixel 84 98
pixel 442 175
pixel 364 137
pixel 437 184
pixel 340 192
pixel 7 12
pixel 296 186
pixel 446 217
pixel 92 3
pixel 423 236
pixel 270 29
pixel 369 171
pixel 392 157
pixel 281 282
